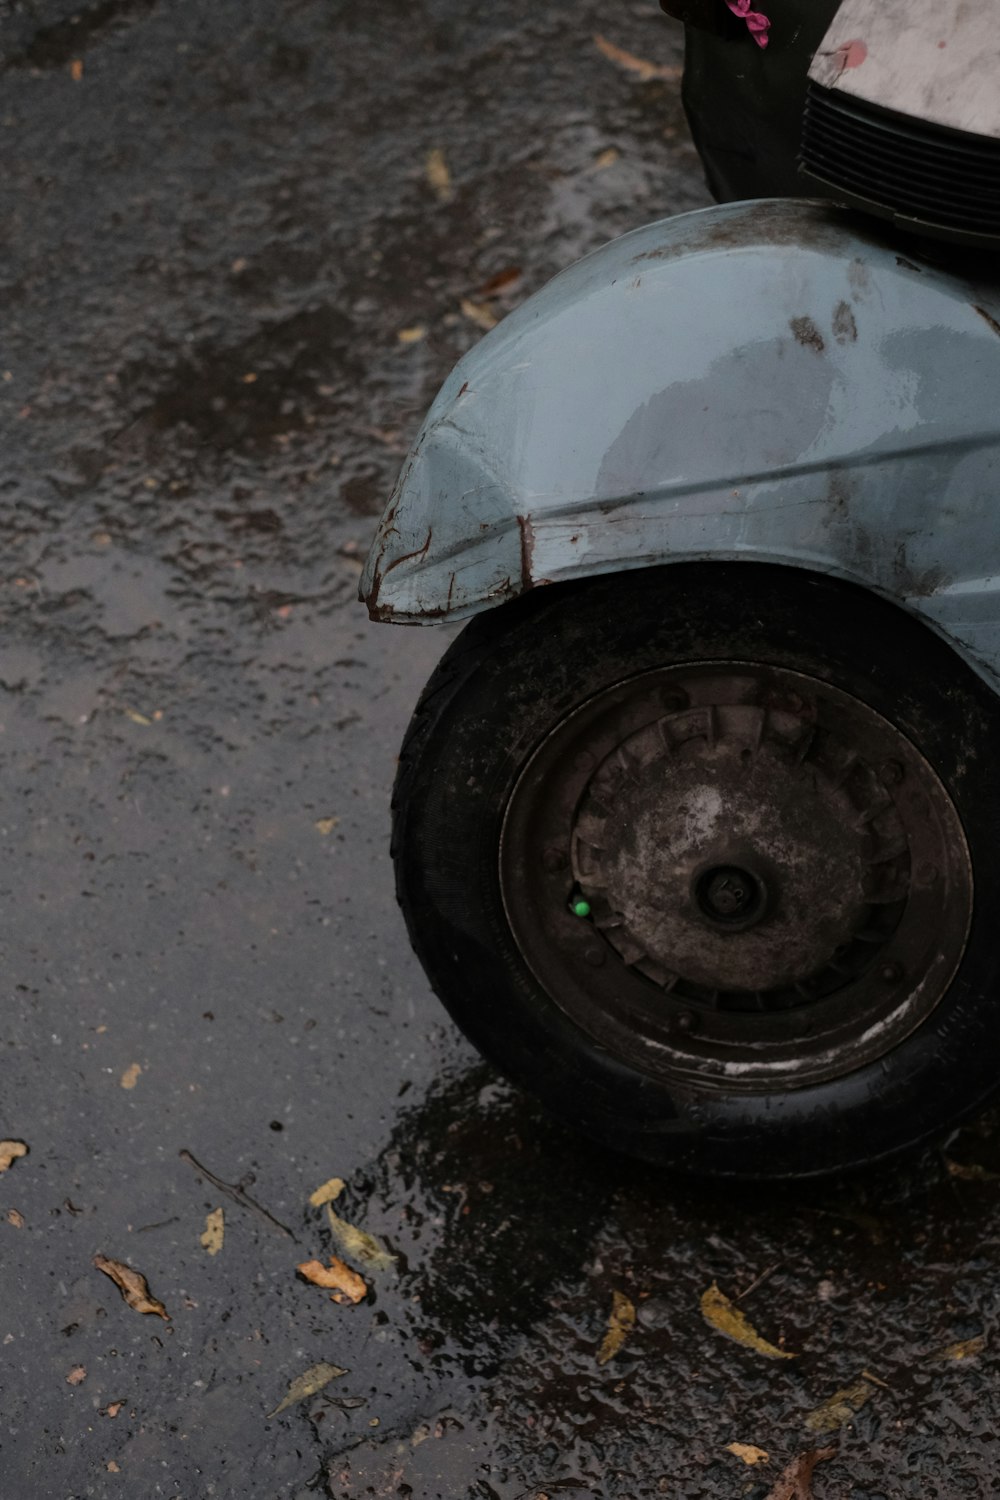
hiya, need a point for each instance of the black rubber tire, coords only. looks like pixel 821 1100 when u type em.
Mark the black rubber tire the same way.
pixel 504 683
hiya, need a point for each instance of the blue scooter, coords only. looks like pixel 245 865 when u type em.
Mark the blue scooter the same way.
pixel 697 823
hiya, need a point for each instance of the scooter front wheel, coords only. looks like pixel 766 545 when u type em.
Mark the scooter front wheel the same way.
pixel 700 855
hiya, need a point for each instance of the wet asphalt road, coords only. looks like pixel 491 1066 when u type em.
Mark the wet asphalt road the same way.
pixel 218 219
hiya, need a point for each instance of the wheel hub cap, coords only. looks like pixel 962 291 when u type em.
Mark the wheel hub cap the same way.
pixel 776 883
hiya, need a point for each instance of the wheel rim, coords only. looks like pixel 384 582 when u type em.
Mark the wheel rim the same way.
pixel 736 874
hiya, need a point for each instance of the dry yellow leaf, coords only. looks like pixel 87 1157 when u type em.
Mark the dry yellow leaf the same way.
pixel 970 1171
pixel 720 1312
pixel 326 825
pixel 606 159
pixel 438 175
pixel 621 1321
pixel 642 69
pixel 137 718
pixel 964 1349
pixel 359 1244
pixel 77 1375
pixel 13 1217
pixel 480 314
pixel 112 1467
pixel 840 1407
pixel 748 1453
pixel 327 1193
pixel 347 1285
pixel 113 1410
pixel 310 1383
pixel 215 1231
pixel 132 1285
pixel 412 335
pixel 130 1077
pixel 9 1153
pixel 76 69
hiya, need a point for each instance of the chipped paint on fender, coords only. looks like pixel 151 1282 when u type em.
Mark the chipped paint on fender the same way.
pixel 779 386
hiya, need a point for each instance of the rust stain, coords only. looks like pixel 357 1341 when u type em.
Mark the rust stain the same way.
pixel 527 549
pixel 408 556
pixel 451 590
pixel 372 601
pixel 988 317
pixel 503 589
pixel 462 391
pixel 779 223
pixel 807 334
pixel 845 329
pixel 375 611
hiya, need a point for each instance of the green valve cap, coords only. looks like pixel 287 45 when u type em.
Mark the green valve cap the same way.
pixel 581 908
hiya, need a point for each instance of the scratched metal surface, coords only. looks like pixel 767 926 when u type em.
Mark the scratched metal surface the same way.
pixel 190 695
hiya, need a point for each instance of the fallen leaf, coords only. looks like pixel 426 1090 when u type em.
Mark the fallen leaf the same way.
pixel 498 283
pixel 13 1217
pixel 964 1349
pixel 840 1407
pixel 310 1383
pixel 137 718
pixel 606 159
pixel 77 1375
pixel 621 1321
pixel 348 1286
pixel 438 175
pixel 132 1286
pixel 113 1410
pixel 748 1453
pixel 328 1193
pixel 480 314
pixel 795 1481
pixel 412 335
pixel 130 1077
pixel 359 1244
pixel 9 1153
pixel 642 69
pixel 720 1312
pixel 970 1171
pixel 76 69
pixel 326 825
pixel 215 1230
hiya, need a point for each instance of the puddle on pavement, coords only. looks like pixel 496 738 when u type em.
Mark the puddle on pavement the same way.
pixel 513 1238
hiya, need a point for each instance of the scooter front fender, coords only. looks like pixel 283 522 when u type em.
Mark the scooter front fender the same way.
pixel 762 380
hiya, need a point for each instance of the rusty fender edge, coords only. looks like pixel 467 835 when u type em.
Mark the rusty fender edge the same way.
pixel 764 381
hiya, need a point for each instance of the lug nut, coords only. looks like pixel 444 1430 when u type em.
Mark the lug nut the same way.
pixel 891 972
pixel 554 860
pixel 892 773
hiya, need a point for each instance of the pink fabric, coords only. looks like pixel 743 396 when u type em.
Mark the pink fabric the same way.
pixel 755 19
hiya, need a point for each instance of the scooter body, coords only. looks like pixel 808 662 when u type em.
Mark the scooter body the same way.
pixel 766 381
pixel 695 823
